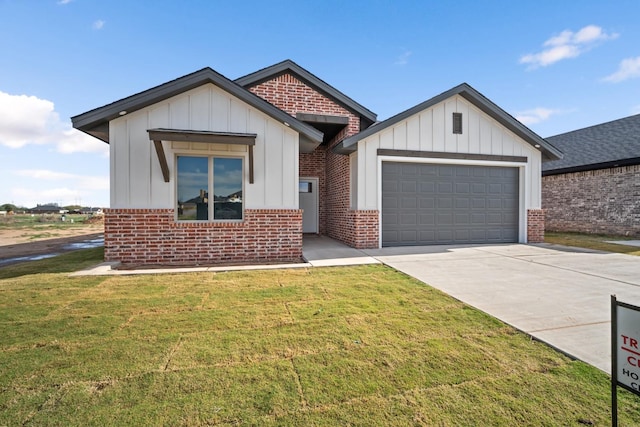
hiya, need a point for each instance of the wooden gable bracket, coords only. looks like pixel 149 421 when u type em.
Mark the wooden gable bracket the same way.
pixel 211 137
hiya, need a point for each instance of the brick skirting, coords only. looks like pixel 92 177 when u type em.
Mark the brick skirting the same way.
pixel 153 237
pixel 535 226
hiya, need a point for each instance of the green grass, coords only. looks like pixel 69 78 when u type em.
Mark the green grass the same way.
pixel 326 346
pixel 592 241
pixel 41 221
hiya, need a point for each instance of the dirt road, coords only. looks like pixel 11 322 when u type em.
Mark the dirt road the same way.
pixel 25 242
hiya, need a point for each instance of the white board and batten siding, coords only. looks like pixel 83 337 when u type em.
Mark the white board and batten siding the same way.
pixel 431 130
pixel 136 177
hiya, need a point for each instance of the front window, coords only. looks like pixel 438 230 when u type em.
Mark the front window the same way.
pixel 209 188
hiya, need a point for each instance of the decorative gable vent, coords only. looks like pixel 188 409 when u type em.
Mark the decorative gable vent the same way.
pixel 457 123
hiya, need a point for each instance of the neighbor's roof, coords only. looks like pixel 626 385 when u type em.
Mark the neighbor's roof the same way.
pixel 289 67
pixel 96 122
pixel 549 152
pixel 611 144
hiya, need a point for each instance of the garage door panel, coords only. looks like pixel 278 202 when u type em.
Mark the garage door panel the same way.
pixel 461 203
pixel 390 202
pixel 463 188
pixel 409 235
pixel 495 188
pixel 444 219
pixel 478 235
pixel 445 187
pixel 409 203
pixel 443 204
pixel 427 219
pixel 478 204
pixel 390 219
pixel 408 186
pixel 494 204
pixel 462 219
pixel 478 188
pixel 427 202
pixel 426 236
pixel 390 186
pixel 409 219
pixel 478 219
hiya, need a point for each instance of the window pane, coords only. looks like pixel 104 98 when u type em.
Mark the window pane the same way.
pixel 227 188
pixel 193 194
pixel 304 187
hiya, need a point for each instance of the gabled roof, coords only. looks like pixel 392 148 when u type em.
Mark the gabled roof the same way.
pixel 96 122
pixel 349 145
pixel 611 144
pixel 289 67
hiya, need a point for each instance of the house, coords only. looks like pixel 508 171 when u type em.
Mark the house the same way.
pixel 47 208
pixel 207 170
pixel 595 188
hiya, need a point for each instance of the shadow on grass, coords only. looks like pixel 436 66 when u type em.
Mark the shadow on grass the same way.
pixel 65 263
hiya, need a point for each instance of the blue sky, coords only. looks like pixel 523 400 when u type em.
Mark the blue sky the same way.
pixel 556 65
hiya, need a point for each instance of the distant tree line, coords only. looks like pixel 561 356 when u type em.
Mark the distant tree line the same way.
pixel 10 207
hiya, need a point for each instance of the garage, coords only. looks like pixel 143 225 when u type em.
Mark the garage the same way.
pixel 429 204
pixel 454 169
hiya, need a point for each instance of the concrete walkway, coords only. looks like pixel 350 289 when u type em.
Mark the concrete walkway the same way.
pixel 556 294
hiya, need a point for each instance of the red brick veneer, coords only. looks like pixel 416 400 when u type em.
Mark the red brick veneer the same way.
pixel 153 237
pixel 605 201
pixel 364 232
pixel 535 226
pixel 356 228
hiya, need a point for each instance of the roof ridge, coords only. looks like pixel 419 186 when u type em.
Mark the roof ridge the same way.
pixel 308 77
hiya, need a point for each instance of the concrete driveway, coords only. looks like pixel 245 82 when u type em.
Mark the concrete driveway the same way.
pixel 558 295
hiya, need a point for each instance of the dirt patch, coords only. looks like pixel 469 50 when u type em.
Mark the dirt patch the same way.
pixel 23 242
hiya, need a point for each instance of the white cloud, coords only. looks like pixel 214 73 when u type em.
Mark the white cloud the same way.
pixel 403 59
pixel 535 115
pixel 43 186
pixel 63 2
pixel 567 45
pixel 628 69
pixel 80 181
pixel 98 25
pixel 30 120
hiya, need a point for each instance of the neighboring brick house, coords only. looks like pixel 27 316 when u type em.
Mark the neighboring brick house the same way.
pixel 206 170
pixel 595 188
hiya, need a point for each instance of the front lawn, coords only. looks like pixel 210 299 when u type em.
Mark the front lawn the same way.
pixel 325 346
pixel 599 242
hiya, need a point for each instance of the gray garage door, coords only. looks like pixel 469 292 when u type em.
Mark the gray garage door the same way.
pixel 431 204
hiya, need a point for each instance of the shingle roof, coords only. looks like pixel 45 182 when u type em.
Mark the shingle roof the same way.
pixel 615 143
pixel 548 150
pixel 96 122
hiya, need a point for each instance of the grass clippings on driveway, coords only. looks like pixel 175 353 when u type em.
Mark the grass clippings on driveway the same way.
pixel 326 346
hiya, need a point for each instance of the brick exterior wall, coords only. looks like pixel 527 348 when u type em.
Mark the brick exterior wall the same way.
pixel 336 219
pixel 313 165
pixel 605 201
pixel 138 237
pixel 535 226
pixel 365 233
